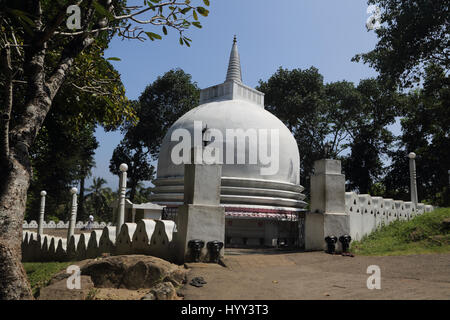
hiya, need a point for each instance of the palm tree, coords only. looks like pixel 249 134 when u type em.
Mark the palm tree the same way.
pixel 97 196
pixel 142 193
pixel 85 172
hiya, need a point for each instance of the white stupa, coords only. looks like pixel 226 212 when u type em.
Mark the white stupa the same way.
pixel 259 208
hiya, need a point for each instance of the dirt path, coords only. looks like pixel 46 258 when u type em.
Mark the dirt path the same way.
pixel 315 275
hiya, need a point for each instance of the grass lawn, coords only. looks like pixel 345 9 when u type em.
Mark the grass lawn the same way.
pixel 427 233
pixel 40 273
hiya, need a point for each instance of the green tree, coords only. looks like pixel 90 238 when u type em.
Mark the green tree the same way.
pixel 60 157
pixel 98 199
pixel 413 35
pixel 138 161
pixel 343 113
pixel 371 138
pixel 142 193
pixel 296 97
pixel 352 121
pixel 425 131
pixel 159 106
pixel 38 52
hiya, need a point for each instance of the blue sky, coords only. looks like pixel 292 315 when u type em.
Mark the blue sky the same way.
pixel 325 34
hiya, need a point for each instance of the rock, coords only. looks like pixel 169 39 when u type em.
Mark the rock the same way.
pixel 417 235
pixel 149 296
pixel 198 282
pixel 440 239
pixel 64 275
pixel 129 271
pixel 163 291
pixel 59 291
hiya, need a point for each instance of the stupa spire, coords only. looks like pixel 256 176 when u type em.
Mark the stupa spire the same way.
pixel 234 66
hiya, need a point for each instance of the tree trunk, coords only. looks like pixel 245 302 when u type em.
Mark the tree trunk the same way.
pixel 15 180
pixel 133 186
pixel 13 197
pixel 81 209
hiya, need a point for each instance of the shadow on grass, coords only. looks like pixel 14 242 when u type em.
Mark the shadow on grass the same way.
pixel 40 273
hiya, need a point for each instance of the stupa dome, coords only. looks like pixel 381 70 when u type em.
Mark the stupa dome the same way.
pixel 234 106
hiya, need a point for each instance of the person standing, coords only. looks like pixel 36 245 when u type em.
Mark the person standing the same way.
pixel 90 222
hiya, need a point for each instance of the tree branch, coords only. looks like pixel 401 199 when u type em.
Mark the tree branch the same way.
pixel 75 47
pixel 50 30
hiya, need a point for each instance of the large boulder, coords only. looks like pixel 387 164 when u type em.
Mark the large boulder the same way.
pixel 58 290
pixel 162 291
pixel 129 272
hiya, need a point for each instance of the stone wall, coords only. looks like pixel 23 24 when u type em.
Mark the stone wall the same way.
pixel 334 212
pixel 367 213
pixel 148 236
pixel 63 225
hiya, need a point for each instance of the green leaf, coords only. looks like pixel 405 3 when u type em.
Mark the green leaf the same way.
pixel 194 13
pixel 108 101
pixel 152 36
pixel 22 16
pixel 203 11
pixel 164 30
pixel 101 10
pixel 185 10
pixel 206 2
pixel 197 24
pixel 181 41
pixel 114 59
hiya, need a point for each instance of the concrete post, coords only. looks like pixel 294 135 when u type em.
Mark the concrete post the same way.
pixel 41 213
pixel 327 215
pixel 122 191
pixel 133 215
pixel 73 214
pixel 201 217
pixel 412 176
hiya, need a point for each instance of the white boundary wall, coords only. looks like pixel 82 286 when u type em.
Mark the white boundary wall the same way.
pixel 367 212
pixel 63 225
pixel 148 236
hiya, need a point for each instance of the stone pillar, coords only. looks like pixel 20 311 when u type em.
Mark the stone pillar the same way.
pixel 133 215
pixel 41 213
pixel 327 215
pixel 200 217
pixel 73 214
pixel 412 177
pixel 122 191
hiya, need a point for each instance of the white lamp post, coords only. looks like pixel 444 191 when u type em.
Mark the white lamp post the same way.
pixel 122 191
pixel 73 214
pixel 41 213
pixel 412 176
